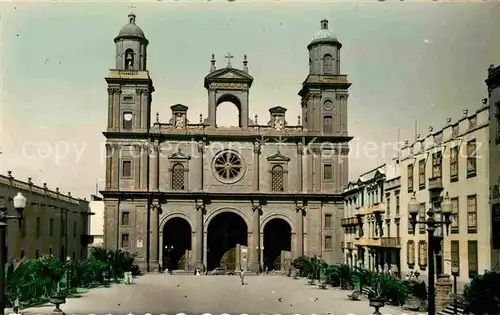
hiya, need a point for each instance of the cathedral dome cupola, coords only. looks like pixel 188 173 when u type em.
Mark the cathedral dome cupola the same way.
pixel 324 36
pixel 131 30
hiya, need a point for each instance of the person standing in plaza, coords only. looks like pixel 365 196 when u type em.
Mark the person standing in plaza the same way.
pixel 242 276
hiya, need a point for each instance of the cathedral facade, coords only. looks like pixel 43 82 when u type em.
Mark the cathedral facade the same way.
pixel 186 195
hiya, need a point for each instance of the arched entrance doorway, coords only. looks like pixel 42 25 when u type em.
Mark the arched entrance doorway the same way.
pixel 277 238
pixel 225 231
pixel 176 240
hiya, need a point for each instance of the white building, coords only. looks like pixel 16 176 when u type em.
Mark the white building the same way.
pixel 371 220
pixel 452 161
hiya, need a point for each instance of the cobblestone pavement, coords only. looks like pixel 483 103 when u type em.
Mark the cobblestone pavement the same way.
pixel 165 294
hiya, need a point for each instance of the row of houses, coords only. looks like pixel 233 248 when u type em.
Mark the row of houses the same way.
pixel 460 163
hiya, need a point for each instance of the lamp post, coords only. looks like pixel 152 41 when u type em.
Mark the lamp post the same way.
pixel 432 224
pixel 19 205
pixel 68 266
pixel 454 273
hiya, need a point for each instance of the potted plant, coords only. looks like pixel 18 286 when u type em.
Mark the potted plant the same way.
pixel 58 298
pixel 376 298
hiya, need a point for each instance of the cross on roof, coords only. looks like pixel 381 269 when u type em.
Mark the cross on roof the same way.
pixel 229 56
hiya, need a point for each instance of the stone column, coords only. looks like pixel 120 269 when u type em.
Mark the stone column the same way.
pixel 316 169
pixel 109 165
pixel 145 109
pixel 309 171
pixel 153 236
pixel 300 209
pixel 300 179
pixel 144 169
pixel 116 109
pixel 200 209
pixel 154 160
pixel 256 166
pixel 201 151
pixel 110 107
pixel 443 292
pixel 115 166
pixel 138 117
pixel 137 166
pixel 254 247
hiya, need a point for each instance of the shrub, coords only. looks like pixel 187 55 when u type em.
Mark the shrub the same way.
pixel 482 295
pixel 392 290
pixel 36 280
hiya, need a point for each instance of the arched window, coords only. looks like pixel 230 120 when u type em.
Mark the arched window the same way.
pixel 310 65
pixel 23 254
pixel 328 64
pixel 129 59
pixel 178 177
pixel 277 178
pixel 327 124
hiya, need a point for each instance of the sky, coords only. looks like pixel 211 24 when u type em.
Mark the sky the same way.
pixel 407 61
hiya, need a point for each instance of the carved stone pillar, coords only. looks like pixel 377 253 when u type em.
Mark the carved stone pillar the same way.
pixel 116 109
pixel 300 179
pixel 316 169
pixel 138 114
pixel 443 292
pixel 137 166
pixel 201 151
pixel 154 217
pixel 256 166
pixel 255 246
pixel 198 248
pixel 144 163
pixel 300 209
pixel 144 108
pixel 115 167
pixel 154 160
pixel 110 107
pixel 109 165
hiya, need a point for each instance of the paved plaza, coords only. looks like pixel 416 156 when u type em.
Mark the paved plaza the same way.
pixel 165 294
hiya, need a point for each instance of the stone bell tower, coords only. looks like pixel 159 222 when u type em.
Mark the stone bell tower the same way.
pixel 324 92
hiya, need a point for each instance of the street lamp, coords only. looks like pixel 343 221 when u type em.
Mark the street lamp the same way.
pixel 19 204
pixel 454 273
pixel 432 224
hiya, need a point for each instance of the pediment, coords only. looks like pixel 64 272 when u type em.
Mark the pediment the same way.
pixel 228 75
pixel 278 157
pixel 179 108
pixel 179 155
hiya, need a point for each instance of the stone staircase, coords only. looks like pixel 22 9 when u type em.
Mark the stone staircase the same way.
pixel 450 309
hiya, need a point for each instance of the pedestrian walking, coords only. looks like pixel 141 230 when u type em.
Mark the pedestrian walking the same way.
pixel 242 276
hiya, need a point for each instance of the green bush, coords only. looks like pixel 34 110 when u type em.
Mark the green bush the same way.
pixel 36 280
pixel 392 290
pixel 482 295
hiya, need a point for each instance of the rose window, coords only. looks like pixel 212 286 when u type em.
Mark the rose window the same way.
pixel 228 166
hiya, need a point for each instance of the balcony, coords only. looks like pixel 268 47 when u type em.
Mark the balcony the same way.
pixel 378 208
pixel 436 183
pixel 390 242
pixel 348 221
pixel 360 211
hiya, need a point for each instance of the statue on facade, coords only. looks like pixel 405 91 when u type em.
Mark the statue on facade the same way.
pixel 179 121
pixel 278 124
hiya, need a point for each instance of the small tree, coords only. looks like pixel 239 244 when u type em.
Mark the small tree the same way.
pixel 482 295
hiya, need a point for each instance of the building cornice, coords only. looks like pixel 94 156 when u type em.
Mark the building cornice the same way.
pixel 44 191
pixel 178 195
